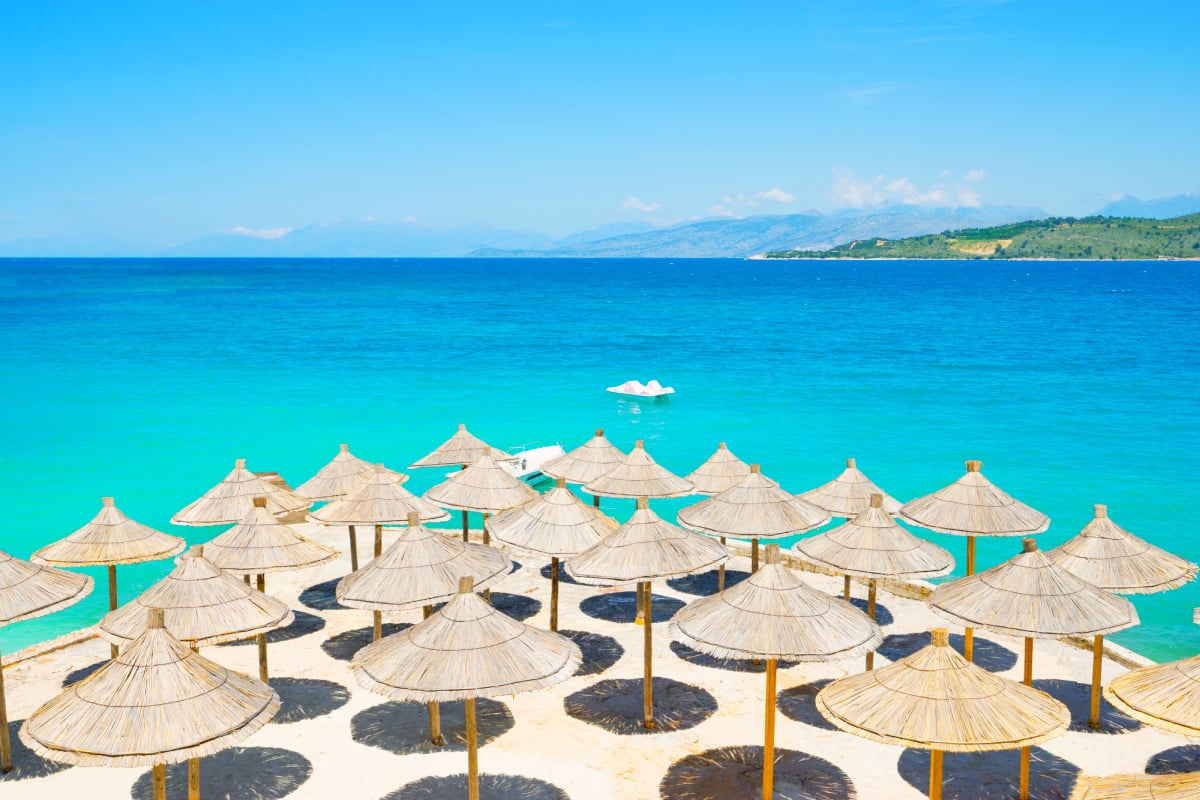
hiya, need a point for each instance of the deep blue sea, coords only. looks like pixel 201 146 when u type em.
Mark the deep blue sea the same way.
pixel 1075 383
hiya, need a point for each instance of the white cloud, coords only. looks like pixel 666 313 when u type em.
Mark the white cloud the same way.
pixel 865 95
pixel 776 194
pixel 851 190
pixel 261 233
pixel 634 204
pixel 410 219
pixel 720 211
pixel 975 175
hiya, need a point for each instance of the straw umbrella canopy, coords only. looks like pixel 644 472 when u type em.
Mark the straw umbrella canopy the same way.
pixel 27 591
pixel 773 615
pixel 111 538
pixel 485 487
pixel 1139 786
pixel 873 546
pixel 557 524
pixel 936 700
pixel 973 506
pixel 849 494
pixel 585 463
pixel 756 508
pixel 639 475
pixel 1166 696
pixel 340 477
pixel 643 549
pixel 1106 555
pixel 466 650
pixel 157 703
pixel 722 470
pixel 230 500
pixel 461 450
pixel 378 500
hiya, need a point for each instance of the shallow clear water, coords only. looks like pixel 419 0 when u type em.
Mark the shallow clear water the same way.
pixel 145 379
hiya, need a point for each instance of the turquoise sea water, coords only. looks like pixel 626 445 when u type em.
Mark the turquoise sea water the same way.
pixel 1075 383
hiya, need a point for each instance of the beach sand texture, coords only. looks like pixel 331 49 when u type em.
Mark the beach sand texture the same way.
pixel 583 739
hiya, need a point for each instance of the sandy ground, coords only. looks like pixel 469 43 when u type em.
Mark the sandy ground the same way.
pixel 581 739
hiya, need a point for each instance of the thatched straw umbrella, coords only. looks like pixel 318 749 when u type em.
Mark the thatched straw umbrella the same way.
pixel 485 487
pixel 756 508
pixel 639 475
pixel 936 700
pixel 1106 555
pixel 379 500
pixel 557 524
pixel 643 549
pixel 27 591
pixel 723 470
pixel 230 500
pixel 1140 786
pixel 466 650
pixel 585 463
pixel 111 538
pixel 157 703
pixel 1031 596
pixel 461 450
pixel 1166 696
pixel 849 494
pixel 340 477
pixel 773 615
pixel 873 546
pixel 973 506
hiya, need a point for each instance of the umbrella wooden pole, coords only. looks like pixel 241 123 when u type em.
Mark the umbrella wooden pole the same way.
pixel 935 775
pixel 846 589
pixel 647 679
pixel 487 536
pixel 969 633
pixel 112 599
pixel 753 554
pixel 554 593
pixel 435 710
pixel 262 638
pixel 871 616
pixel 158 778
pixel 721 572
pixel 1023 789
pixel 5 744
pixel 595 501
pixel 472 752
pixel 640 617
pixel 768 788
pixel 353 550
pixel 194 779
pixel 466 529
pixel 246 578
pixel 376 626
pixel 378 540
pixel 1097 663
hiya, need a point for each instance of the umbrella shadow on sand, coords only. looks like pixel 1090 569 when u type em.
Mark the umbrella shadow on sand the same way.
pixel 600 652
pixel 75 676
pixel 322 596
pixel 991 775
pixel 693 656
pixel 621 607
pixel 882 615
pixel 1077 697
pixel 616 705
pixel 1174 760
pixel 344 645
pixel 247 773
pixel 491 787
pixel 729 772
pixel 987 654
pixel 563 577
pixel 705 583
pixel 403 728
pixel 518 606
pixel 307 698
pixel 799 703
pixel 26 763
pixel 303 624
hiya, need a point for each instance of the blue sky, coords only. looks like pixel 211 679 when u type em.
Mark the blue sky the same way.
pixel 159 122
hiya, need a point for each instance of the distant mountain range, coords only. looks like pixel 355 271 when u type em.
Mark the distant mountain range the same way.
pixel 1164 208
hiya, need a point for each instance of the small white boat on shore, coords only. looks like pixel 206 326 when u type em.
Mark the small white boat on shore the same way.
pixel 528 466
pixel 638 389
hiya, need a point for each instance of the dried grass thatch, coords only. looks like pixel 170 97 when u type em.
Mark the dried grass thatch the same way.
pixel 643 549
pixel 586 462
pixel 420 568
pixel 378 500
pixel 466 650
pixel 937 700
pixel 872 545
pixel 723 470
pixel 33 590
pixel 1166 696
pixel 1138 786
pixel 261 544
pixel 201 605
pixel 849 494
pixel 340 477
pixel 557 524
pixel 755 508
pixel 773 614
pixel 1106 555
pixel 974 506
pixel 484 486
pixel 231 500
pixel 1029 595
pixel 158 702
pixel 110 538
pixel 460 449
pixel 638 475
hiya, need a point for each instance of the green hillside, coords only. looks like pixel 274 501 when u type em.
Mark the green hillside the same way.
pixel 1055 238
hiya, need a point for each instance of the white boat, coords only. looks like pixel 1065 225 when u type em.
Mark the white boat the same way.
pixel 638 389
pixel 528 466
